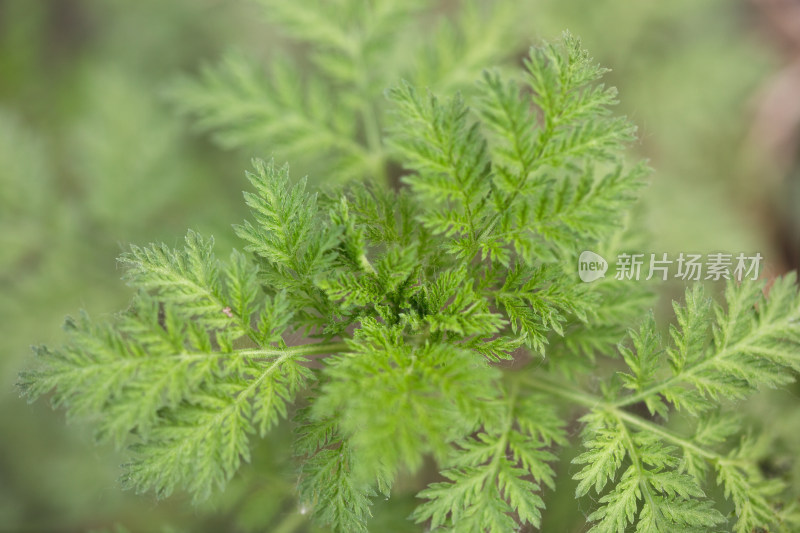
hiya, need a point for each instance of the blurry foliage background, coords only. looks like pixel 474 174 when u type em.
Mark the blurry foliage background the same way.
pixel 93 156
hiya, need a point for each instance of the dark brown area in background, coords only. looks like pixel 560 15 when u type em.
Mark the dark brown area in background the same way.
pixel 775 133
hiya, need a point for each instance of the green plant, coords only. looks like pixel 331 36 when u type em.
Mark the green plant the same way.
pixel 320 101
pixel 411 304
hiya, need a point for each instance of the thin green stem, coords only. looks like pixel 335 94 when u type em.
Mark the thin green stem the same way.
pixel 291 523
pixel 500 451
pixel 369 118
pixel 314 348
pixel 275 365
pixel 661 432
pixel 636 460
pixel 593 402
pixel 366 266
pixel 372 132
pixel 372 128
pixel 566 392
pixel 525 173
pixel 268 354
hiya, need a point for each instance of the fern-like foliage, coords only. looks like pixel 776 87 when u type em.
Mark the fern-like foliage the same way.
pixel 394 328
pixel 498 473
pixel 713 353
pixel 168 371
pixel 331 117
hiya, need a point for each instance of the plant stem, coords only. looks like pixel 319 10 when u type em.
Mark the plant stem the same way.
pixel 636 460
pixel 290 524
pixel 593 402
pixel 658 430
pixel 566 392
pixel 314 348
pixel 369 118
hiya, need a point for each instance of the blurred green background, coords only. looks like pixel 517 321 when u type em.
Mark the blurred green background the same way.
pixel 93 156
